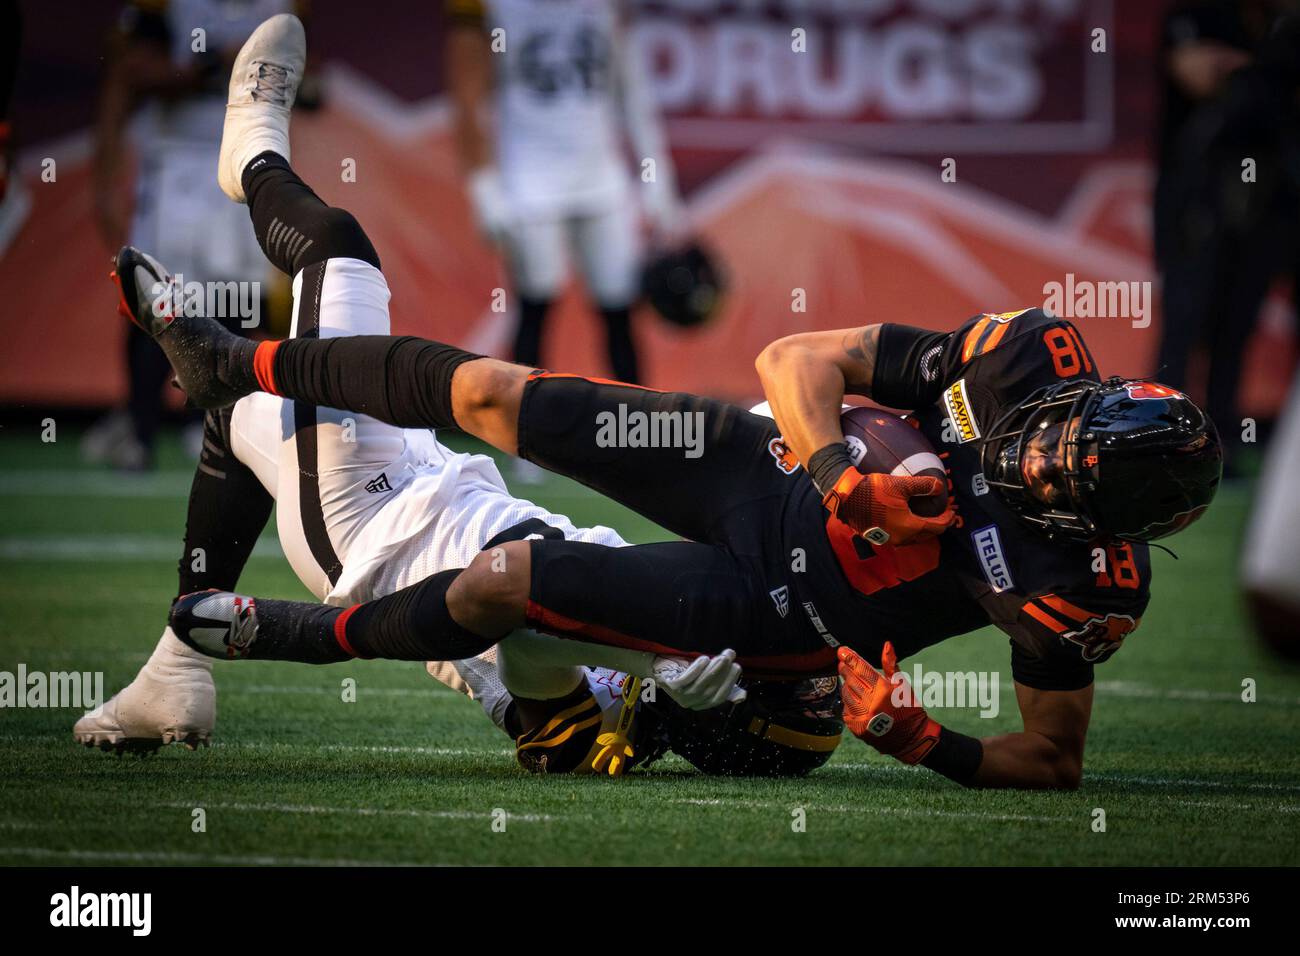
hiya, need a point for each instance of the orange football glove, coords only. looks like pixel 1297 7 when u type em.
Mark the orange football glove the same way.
pixel 875 506
pixel 905 732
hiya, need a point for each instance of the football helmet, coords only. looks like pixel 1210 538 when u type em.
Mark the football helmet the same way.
pixel 781 729
pixel 1141 461
pixel 684 285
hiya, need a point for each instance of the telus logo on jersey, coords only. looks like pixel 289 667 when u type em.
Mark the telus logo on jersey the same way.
pixel 988 548
pixel 959 412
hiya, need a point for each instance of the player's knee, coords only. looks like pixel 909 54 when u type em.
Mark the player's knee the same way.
pixel 493 590
pixel 486 387
pixel 344 239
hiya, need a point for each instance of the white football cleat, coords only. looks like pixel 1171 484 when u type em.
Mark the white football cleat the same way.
pixel 263 84
pixel 171 700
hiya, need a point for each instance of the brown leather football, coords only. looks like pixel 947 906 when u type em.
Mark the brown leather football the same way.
pixel 883 442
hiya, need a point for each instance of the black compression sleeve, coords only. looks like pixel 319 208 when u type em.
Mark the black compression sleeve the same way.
pixel 402 381
pixel 956 756
pixel 413 624
pixel 228 509
pixel 293 226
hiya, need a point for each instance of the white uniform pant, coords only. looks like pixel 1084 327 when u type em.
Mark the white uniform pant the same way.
pixel 364 508
pixel 606 246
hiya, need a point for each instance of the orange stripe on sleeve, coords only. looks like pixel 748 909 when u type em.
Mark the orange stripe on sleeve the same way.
pixel 1042 617
pixel 995 336
pixel 1065 607
pixel 774 666
pixel 264 366
pixel 973 337
pixel 341 631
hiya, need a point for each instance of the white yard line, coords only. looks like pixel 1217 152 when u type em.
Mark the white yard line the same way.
pixel 361 748
pixel 789 805
pixel 221 859
pixel 1239 807
pixel 1136 689
pixel 356 811
pixel 99 547
pixel 1089 775
pixel 434 690
pixel 62 483
pixel 1189 782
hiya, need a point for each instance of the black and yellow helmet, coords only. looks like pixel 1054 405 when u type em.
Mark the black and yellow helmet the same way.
pixel 781 729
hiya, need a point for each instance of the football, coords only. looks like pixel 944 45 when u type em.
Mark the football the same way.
pixel 883 442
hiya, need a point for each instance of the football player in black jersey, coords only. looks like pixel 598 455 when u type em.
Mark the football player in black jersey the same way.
pixel 1058 480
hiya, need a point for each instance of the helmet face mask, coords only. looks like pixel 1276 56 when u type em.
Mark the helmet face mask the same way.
pixel 1158 454
pixel 1004 452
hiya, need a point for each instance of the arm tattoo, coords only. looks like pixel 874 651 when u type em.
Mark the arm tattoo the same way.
pixel 861 345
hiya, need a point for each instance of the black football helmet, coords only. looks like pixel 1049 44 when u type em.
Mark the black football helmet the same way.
pixel 782 729
pixel 1142 462
pixel 684 285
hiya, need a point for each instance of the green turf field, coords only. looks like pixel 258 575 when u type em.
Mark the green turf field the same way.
pixel 1185 771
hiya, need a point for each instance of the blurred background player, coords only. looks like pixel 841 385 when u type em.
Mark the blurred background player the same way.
pixel 1231 76
pixel 15 201
pixel 11 31
pixel 1270 568
pixel 550 180
pixel 173 58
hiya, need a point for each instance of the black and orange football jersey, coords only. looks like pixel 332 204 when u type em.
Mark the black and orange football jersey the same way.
pixel 1066 605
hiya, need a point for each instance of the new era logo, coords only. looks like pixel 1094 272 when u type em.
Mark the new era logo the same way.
pixel 379 485
pixel 781 598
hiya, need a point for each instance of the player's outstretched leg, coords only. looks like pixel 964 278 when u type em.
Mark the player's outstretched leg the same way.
pixel 400 381
pixel 413 624
pixel 624 601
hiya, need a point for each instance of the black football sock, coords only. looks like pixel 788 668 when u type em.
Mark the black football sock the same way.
pixel 297 631
pixel 528 336
pixel 228 508
pixel 412 624
pixel 622 348
pixel 402 381
pixel 293 226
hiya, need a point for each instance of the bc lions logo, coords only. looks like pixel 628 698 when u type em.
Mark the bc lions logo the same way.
pixel 1143 391
pixel 1177 523
pixel 785 459
pixel 1099 637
